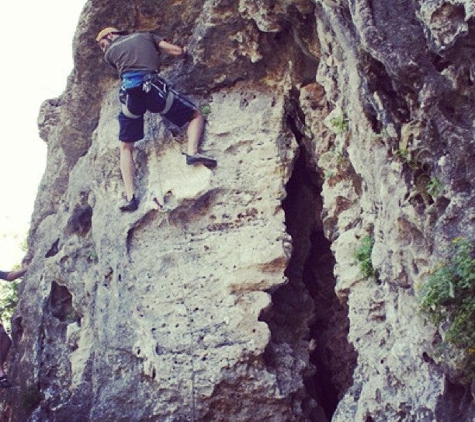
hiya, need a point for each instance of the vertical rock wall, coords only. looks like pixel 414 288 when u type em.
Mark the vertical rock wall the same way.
pixel 244 301
pixel 398 78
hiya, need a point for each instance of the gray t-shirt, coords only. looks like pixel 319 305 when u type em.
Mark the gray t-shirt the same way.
pixel 138 51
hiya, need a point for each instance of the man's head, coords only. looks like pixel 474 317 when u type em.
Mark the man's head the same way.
pixel 106 35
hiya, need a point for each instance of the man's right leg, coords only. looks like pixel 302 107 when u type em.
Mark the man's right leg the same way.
pixel 182 112
pixel 127 169
pixel 194 132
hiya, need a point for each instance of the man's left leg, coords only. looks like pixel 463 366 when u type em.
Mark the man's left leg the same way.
pixel 5 344
pixel 131 124
pixel 127 169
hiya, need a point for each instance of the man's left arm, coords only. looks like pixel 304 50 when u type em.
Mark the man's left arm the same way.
pixel 12 275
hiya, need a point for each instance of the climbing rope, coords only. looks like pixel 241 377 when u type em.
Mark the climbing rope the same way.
pixel 162 208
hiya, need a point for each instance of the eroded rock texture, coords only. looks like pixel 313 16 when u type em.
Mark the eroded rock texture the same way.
pixel 330 120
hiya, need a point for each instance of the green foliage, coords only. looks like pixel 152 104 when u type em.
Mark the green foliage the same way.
pixel 434 187
pixel 363 256
pixel 9 292
pixel 8 301
pixel 340 124
pixel 405 156
pixel 340 159
pixel 206 110
pixel 426 184
pixel 24 245
pixel 448 297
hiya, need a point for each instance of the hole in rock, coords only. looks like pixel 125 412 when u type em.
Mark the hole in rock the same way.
pixel 389 103
pixel 455 403
pixel 81 220
pixel 53 250
pixel 60 302
pixel 307 318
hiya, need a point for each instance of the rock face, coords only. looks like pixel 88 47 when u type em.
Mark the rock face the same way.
pixel 244 301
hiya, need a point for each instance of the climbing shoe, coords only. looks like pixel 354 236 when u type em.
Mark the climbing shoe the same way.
pixel 4 383
pixel 197 158
pixel 132 205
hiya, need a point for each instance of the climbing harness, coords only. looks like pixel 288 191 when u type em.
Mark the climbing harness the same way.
pixel 164 90
pixel 125 110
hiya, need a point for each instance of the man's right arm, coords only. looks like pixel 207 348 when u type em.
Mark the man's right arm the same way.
pixel 171 49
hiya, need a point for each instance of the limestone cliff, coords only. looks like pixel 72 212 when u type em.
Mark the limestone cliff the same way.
pixel 243 301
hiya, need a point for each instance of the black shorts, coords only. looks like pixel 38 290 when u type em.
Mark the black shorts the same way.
pixel 156 96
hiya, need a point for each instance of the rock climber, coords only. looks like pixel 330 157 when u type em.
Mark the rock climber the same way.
pixel 136 57
pixel 5 340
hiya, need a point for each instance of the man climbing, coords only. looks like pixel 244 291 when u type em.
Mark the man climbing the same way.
pixel 136 57
pixel 5 340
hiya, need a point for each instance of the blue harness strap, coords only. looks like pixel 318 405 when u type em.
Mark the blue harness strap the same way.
pixel 133 78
